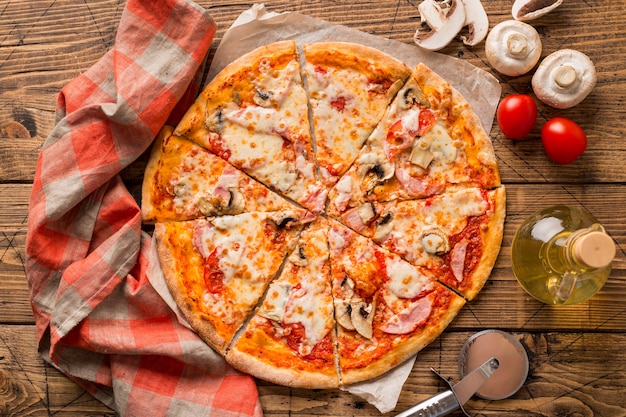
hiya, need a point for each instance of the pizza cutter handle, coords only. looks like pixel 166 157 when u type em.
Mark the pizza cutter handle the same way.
pixel 436 406
pixel 439 405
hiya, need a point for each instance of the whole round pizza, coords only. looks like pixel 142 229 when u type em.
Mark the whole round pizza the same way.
pixel 323 212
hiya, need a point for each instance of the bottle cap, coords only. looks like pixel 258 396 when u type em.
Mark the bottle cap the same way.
pixel 595 249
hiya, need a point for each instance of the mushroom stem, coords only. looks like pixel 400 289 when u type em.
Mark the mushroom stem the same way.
pixel 565 75
pixel 517 45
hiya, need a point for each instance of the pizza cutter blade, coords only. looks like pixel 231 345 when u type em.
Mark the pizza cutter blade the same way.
pixel 492 364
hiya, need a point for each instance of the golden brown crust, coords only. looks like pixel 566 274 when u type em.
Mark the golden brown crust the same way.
pixel 188 306
pixel 149 184
pixel 367 60
pixel 492 240
pixel 256 356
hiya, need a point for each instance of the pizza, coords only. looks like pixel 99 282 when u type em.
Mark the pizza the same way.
pixel 322 212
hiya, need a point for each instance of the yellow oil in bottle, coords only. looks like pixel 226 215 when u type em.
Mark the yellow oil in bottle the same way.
pixel 561 255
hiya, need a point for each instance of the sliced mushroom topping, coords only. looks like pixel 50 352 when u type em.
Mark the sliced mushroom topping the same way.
pixel 262 97
pixel 215 121
pixel 383 227
pixel 435 241
pixel 367 212
pixel 343 314
pixel 513 48
pixel 215 205
pixel 421 154
pixel 298 257
pixel 445 18
pixel 412 96
pixel 374 171
pixel 343 307
pixel 237 202
pixel 476 21
pixel 531 9
pixel 283 220
pixel 362 316
pixel 564 78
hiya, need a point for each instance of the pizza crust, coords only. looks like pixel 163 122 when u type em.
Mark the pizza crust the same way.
pixel 264 369
pixel 152 168
pixel 492 241
pixel 187 306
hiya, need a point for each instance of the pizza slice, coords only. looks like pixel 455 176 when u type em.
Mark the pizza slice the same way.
pixel 428 139
pixel 386 309
pixel 218 268
pixel 290 339
pixel 349 87
pixel 184 181
pixel 457 234
pixel 254 114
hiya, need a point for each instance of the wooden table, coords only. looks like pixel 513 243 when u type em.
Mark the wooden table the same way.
pixel 577 360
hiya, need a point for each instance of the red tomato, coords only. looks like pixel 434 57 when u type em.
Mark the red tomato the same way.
pixel 516 115
pixel 563 140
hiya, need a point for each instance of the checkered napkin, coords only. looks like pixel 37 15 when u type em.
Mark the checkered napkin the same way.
pixel 98 319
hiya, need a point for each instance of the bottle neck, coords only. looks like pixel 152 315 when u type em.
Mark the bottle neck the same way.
pixel 578 252
pixel 590 248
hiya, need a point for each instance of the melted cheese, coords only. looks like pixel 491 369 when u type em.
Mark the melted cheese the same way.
pixel 405 281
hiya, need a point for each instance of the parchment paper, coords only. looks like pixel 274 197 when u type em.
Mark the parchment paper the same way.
pixel 256 27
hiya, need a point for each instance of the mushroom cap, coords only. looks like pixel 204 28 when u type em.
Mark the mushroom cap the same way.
pixel 564 78
pixel 445 24
pixel 513 48
pixel 525 10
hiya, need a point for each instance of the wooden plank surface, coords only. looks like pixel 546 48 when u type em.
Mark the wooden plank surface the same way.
pixel 577 365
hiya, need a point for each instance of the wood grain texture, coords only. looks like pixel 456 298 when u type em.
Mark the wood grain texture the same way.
pixel 577 367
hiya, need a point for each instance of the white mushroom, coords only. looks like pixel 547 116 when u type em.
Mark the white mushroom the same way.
pixel 564 78
pixel 362 316
pixel 445 18
pixel 531 9
pixel 435 241
pixel 476 21
pixel 373 170
pixel 513 48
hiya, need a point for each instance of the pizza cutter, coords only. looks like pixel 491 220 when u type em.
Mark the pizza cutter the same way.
pixel 493 365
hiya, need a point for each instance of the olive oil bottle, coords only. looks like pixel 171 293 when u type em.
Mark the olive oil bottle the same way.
pixel 562 255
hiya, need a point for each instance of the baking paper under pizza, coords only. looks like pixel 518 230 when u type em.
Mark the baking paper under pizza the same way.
pixel 323 212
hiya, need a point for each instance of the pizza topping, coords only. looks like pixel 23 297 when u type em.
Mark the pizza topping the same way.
pixel 435 241
pixel 415 185
pixel 413 96
pixel 311 312
pixel 362 317
pixel 274 86
pixel 274 306
pixel 457 259
pixel 384 226
pixel 406 281
pixel 374 169
pixel 213 276
pixel 421 155
pixel 223 202
pixel 367 212
pixel 411 317
pixel 343 307
pixel 214 121
pixel 344 192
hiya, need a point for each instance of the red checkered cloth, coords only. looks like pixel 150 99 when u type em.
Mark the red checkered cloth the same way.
pixel 98 319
